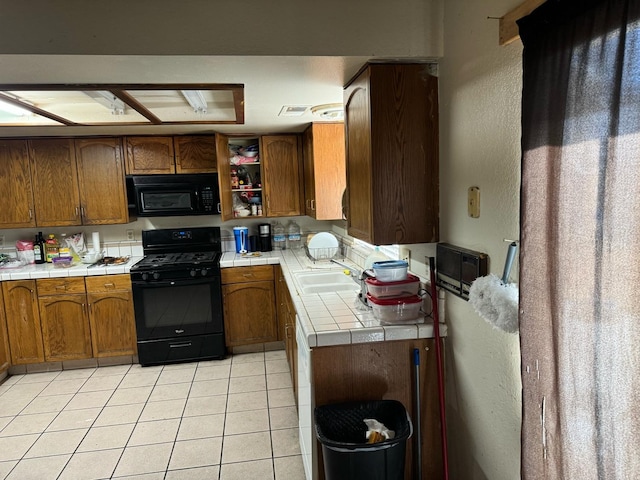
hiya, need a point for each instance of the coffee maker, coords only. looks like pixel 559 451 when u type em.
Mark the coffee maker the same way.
pixel 265 237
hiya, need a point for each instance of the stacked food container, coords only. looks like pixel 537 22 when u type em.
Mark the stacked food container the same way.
pixel 393 293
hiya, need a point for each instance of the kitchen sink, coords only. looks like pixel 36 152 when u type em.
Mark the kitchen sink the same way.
pixel 322 282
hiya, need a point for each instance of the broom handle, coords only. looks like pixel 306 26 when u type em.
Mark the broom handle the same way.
pixel 436 332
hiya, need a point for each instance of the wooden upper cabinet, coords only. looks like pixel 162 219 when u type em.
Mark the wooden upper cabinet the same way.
pixel 224 177
pixel 282 181
pixel 16 201
pixel 55 182
pixel 195 154
pixel 324 170
pixel 149 155
pixel 23 321
pixel 391 120
pixel 103 197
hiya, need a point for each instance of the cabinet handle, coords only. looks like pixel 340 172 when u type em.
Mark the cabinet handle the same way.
pixel 109 285
pixel 77 211
pixel 247 275
pixel 61 287
pixel 313 204
pixel 82 211
pixel 30 214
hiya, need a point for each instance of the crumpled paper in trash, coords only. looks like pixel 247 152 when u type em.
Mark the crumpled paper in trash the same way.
pixel 377 432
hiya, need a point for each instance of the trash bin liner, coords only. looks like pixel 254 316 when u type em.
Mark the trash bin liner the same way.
pixel 341 431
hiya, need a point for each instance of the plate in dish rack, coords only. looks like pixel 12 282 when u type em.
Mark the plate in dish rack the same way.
pixel 323 245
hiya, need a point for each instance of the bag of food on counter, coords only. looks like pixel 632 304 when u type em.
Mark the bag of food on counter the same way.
pixel 77 244
pixel 25 251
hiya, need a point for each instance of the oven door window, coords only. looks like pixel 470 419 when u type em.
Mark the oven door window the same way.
pixel 167 202
pixel 165 310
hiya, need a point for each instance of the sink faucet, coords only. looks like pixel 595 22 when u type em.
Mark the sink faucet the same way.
pixel 359 276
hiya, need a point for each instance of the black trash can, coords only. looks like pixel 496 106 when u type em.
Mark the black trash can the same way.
pixel 341 430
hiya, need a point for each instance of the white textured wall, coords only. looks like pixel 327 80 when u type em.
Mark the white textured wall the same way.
pixel 480 91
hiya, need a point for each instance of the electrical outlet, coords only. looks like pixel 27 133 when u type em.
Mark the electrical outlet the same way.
pixel 405 254
pixel 130 235
pixel 1 241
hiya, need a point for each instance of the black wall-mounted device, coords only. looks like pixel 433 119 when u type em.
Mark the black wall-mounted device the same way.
pixel 458 267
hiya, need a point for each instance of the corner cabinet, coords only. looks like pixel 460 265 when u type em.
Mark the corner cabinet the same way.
pixel 324 170
pixel 248 295
pixel 391 125
pixel 16 201
pixel 274 178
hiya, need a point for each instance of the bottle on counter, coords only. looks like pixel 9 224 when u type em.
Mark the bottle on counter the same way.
pixel 38 249
pixel 279 237
pixel 51 248
pixel 294 241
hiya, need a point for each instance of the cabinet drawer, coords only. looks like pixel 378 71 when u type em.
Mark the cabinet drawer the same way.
pixel 108 283
pixel 59 286
pixel 247 274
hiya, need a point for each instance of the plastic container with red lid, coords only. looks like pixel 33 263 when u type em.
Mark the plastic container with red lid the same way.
pixel 403 288
pixel 396 310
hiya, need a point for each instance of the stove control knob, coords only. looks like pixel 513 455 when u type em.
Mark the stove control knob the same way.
pixel 204 272
pixel 193 272
pixel 156 276
pixel 145 276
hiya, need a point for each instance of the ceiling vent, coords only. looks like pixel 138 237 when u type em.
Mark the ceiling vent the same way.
pixel 293 110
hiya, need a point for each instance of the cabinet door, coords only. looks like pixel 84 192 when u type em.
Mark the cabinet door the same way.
pixel 4 342
pixel 249 313
pixel 113 329
pixel 65 327
pixel 55 182
pixel 324 170
pixel 145 155
pixel 224 177
pixel 23 321
pixel 281 182
pixel 195 154
pixel 358 159
pixel 103 196
pixel 16 200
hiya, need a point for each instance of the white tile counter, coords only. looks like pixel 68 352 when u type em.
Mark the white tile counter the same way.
pixel 47 270
pixel 328 319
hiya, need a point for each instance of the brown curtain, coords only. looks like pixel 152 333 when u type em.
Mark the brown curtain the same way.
pixel 580 241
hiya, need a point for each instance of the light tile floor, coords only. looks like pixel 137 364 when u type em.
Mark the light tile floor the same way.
pixel 228 419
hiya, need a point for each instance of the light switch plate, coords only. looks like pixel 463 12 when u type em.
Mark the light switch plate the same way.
pixel 473 202
pixel 130 235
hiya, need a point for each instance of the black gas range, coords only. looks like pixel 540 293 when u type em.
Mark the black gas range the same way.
pixel 177 296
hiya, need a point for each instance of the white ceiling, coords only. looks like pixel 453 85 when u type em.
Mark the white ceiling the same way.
pixel 271 82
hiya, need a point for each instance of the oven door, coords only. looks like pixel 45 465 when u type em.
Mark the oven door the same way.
pixel 180 308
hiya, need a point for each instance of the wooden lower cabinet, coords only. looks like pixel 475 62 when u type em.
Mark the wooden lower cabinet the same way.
pixel 111 315
pixel 65 323
pixel 248 295
pixel 287 326
pixel 23 321
pixel 4 342
pixel 379 371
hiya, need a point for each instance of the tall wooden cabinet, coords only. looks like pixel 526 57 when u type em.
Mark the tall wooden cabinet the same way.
pixel 324 170
pixel 111 315
pixel 63 315
pixel 16 200
pixel 391 121
pixel 249 305
pixel 23 321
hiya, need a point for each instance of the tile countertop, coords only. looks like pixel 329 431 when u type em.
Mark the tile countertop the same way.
pixel 331 318
pixel 47 270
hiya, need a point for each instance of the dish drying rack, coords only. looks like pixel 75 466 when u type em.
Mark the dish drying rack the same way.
pixel 318 255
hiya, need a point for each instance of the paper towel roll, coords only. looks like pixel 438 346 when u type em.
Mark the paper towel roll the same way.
pixel 95 241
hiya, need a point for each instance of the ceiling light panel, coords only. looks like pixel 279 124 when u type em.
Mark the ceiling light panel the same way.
pixel 188 105
pixel 82 107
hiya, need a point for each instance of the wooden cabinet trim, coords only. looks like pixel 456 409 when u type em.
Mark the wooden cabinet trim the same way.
pixel 246 274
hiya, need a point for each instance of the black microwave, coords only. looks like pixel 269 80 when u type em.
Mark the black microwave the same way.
pixel 179 194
